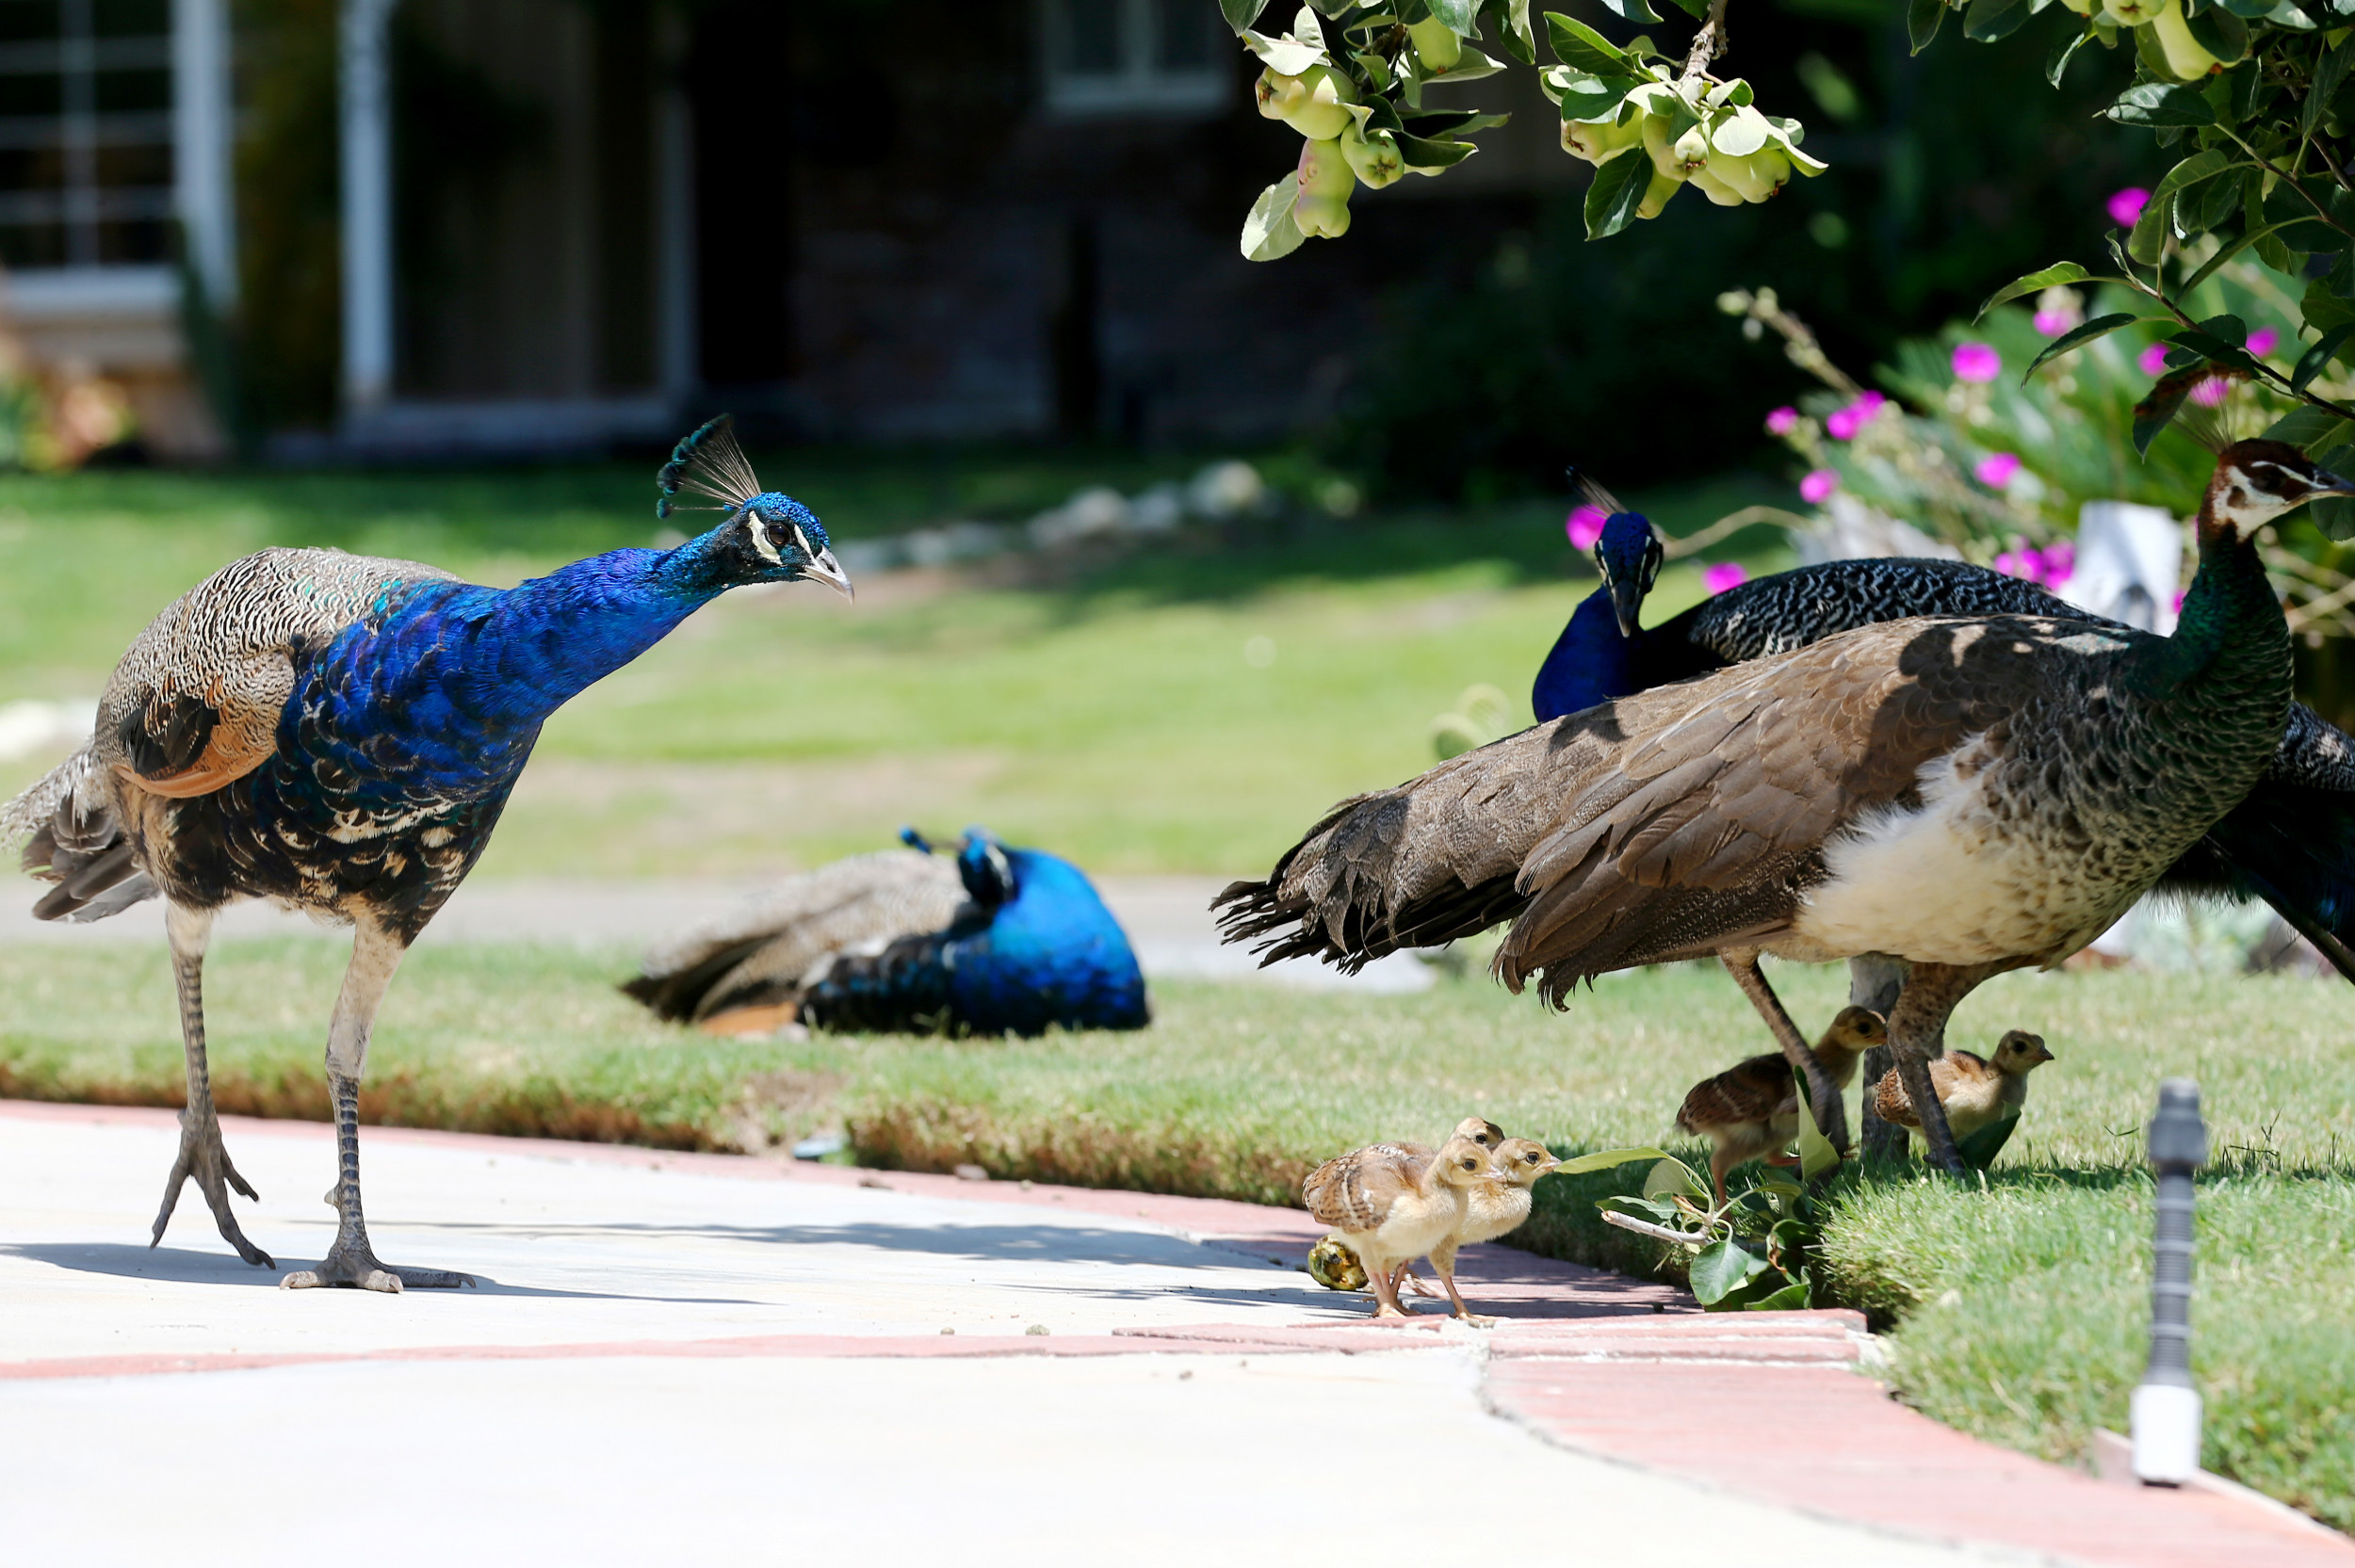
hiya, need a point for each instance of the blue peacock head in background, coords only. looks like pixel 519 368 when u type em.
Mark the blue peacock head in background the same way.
pixel 985 869
pixel 779 539
pixel 1628 553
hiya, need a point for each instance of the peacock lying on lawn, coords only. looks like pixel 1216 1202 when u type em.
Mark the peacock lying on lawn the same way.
pixel 337 733
pixel 999 941
pixel 2291 843
pixel 1969 795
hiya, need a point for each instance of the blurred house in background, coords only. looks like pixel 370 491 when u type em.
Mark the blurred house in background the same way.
pixel 567 225
pixel 115 130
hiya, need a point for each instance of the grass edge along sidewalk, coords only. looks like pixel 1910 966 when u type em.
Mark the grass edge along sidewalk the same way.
pixel 2015 1313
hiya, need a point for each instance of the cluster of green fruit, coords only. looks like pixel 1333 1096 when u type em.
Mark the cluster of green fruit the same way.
pixel 1689 130
pixel 2184 56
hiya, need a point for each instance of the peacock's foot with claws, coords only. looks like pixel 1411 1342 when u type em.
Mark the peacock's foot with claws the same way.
pixel 202 1157
pixel 354 1267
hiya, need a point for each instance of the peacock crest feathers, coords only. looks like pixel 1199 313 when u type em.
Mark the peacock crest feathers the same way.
pixel 708 462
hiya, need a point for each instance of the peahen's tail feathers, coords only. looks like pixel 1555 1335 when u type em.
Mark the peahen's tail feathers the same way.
pixel 2294 846
pixel 66 822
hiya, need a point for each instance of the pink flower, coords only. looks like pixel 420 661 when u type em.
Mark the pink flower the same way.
pixel 2060 563
pixel 1976 362
pixel 1583 525
pixel 2015 563
pixel 1843 424
pixel 2179 600
pixel 2126 207
pixel 1995 471
pixel 2264 340
pixel 2054 323
pixel 1817 486
pixel 1782 420
pixel 2152 361
pixel 2210 393
pixel 1723 575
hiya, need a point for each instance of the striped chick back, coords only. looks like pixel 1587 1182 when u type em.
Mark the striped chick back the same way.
pixel 1354 1192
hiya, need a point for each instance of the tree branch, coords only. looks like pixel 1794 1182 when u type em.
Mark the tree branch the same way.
pixel 1710 42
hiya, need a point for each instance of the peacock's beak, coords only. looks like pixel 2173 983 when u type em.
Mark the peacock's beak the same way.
pixel 824 568
pixel 1627 602
pixel 2327 483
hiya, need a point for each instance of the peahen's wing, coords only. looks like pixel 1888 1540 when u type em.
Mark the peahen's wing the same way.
pixel 1668 824
pixel 194 703
pixel 777 944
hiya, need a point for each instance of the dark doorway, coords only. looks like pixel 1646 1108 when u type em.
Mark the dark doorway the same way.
pixel 741 54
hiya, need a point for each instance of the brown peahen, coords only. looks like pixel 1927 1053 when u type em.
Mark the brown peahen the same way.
pixel 1969 795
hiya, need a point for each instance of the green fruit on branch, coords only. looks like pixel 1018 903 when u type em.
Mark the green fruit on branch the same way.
pixel 2185 57
pixel 1317 110
pixel 1599 141
pixel 1691 151
pixel 1373 158
pixel 2132 13
pixel 1715 189
pixel 1435 45
pixel 1755 177
pixel 1278 95
pixel 1656 195
pixel 1665 161
pixel 1322 208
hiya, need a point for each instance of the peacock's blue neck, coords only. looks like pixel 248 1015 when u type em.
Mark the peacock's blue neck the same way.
pixel 1590 663
pixel 442 688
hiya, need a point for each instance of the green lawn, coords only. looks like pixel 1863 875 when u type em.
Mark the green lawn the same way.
pixel 1103 706
pixel 2017 1312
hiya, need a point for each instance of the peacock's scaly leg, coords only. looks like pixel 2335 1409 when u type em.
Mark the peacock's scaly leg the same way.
pixel 374 954
pixel 1917 1032
pixel 1831 1114
pixel 201 1154
pixel 1875 981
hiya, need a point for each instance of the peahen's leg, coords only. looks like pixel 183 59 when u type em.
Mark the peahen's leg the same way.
pixel 1875 981
pixel 374 954
pixel 201 1154
pixel 1831 1115
pixel 1917 1032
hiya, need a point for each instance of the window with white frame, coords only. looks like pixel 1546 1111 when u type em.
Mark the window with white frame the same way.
pixel 1135 57
pixel 86 133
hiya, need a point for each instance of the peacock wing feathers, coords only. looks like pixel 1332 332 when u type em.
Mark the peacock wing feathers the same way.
pixel 195 702
pixel 775 947
pixel 1664 825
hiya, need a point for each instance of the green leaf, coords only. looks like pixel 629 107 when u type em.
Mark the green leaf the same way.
pixel 2083 334
pixel 2035 283
pixel 1720 1268
pixel 1270 232
pixel 2065 51
pixel 1592 97
pixel 1457 15
pixel 1671 1177
pixel 2157 410
pixel 2311 363
pixel 2308 429
pixel 2154 103
pixel 2225 252
pixel 1697 9
pixel 1922 20
pixel 1606 1160
pixel 1616 190
pixel 1990 20
pixel 1790 1298
pixel 2220 33
pixel 1979 1150
pixel 1581 48
pixel 1635 10
pixel 1241 13
pixel 2221 198
pixel 2329 75
pixel 2148 243
pixel 2199 167
pixel 1513 26
pixel 1423 152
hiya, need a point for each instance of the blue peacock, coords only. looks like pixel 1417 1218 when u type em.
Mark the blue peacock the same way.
pixel 995 939
pixel 338 734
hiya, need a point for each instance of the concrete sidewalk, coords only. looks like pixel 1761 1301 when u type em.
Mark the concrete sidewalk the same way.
pixel 677 1355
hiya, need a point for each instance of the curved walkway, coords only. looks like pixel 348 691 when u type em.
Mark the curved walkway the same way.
pixel 674 1355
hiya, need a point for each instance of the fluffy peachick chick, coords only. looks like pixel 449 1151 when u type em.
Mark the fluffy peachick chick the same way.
pixel 1973 1089
pixel 1390 1207
pixel 1752 1108
pixel 1494 1207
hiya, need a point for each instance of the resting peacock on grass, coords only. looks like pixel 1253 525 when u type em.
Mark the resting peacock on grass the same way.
pixel 1967 794
pixel 994 941
pixel 2291 843
pixel 337 733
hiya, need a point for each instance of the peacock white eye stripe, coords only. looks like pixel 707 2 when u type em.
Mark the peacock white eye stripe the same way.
pixel 760 538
